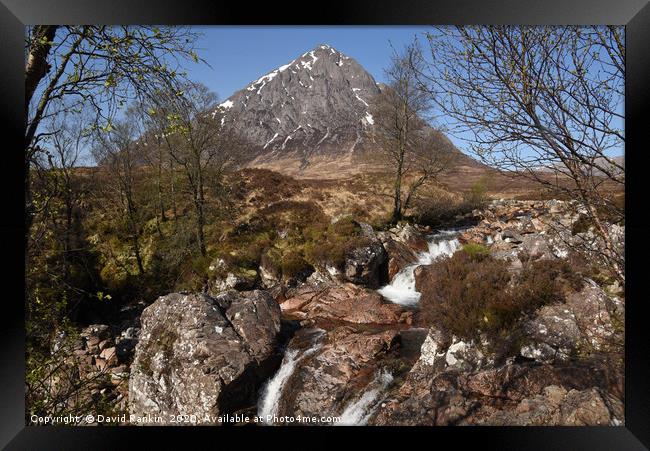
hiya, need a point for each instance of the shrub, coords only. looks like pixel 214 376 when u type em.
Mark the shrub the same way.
pixel 293 265
pixel 294 215
pixel 472 293
pixel 295 236
pixel 546 281
pixel 462 293
pixel 269 186
pixel 477 194
pixel 346 226
pixel 382 221
pixel 361 211
pixel 475 248
pixel 331 245
pixel 436 208
pixel 440 208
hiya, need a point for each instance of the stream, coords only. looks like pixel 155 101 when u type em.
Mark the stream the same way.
pixel 401 290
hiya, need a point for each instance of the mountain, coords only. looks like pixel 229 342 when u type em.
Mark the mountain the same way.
pixel 309 116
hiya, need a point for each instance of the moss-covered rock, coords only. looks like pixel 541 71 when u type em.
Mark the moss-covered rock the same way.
pixel 203 356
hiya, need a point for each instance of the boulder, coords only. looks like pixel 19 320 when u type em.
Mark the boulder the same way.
pixel 452 383
pixel 269 270
pixel 478 235
pixel 526 225
pixel 599 316
pixel 271 273
pixel 515 394
pixel 556 406
pixel 551 335
pixel 584 408
pixel 590 321
pixel 411 237
pixel 510 236
pixel 535 247
pixel 367 265
pixel 241 281
pixel 444 354
pixel 124 348
pixel 340 369
pixel 109 355
pixel 97 332
pixel 399 256
pixel 347 302
pixel 104 344
pixel 508 252
pixel 202 355
pixel 125 343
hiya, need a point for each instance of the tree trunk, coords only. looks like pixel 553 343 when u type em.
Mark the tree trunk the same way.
pixel 200 222
pixel 161 204
pixel 200 219
pixel 397 195
pixel 135 238
pixel 132 215
pixel 138 257
pixel 172 189
pixel 67 240
pixel 37 65
pixel 397 207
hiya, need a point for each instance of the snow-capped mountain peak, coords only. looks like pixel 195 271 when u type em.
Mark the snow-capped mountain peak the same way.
pixel 317 103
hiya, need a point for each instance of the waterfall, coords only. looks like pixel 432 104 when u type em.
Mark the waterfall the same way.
pixel 401 289
pixel 358 412
pixel 272 392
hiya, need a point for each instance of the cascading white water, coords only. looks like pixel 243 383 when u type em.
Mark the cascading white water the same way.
pixel 268 403
pixel 401 289
pixel 358 412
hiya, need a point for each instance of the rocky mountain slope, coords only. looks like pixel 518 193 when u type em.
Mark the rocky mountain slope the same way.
pixel 311 111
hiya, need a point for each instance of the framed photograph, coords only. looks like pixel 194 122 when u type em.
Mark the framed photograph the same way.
pixel 365 216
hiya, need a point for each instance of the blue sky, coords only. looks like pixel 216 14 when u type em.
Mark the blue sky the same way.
pixel 239 55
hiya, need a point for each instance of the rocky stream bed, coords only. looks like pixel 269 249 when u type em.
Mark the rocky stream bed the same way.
pixel 349 342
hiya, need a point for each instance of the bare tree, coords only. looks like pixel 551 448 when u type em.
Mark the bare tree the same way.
pixel 545 102
pixel 119 152
pixel 409 145
pixel 68 139
pixel 100 67
pixel 159 142
pixel 60 261
pixel 199 142
pixel 55 166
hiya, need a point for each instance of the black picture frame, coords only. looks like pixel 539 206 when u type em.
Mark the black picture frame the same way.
pixel 634 14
